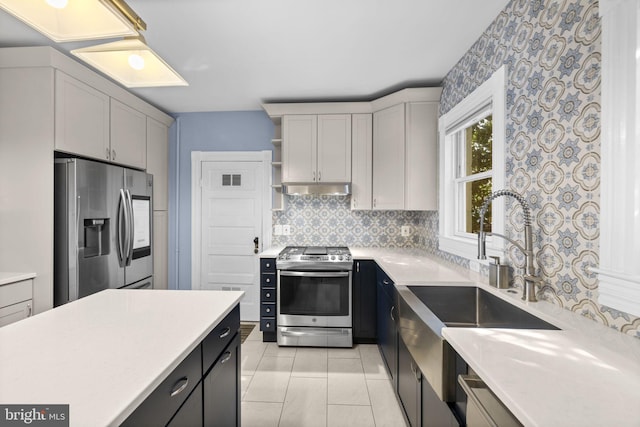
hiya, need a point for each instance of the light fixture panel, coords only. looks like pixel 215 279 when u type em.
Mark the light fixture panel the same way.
pixel 76 20
pixel 114 60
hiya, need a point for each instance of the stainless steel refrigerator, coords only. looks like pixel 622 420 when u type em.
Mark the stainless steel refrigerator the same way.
pixel 103 228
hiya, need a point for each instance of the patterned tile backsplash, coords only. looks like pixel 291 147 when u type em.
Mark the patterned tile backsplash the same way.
pixel 329 220
pixel 552 51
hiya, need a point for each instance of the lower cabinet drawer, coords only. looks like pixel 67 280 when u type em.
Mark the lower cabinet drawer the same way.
pixel 163 403
pixel 218 339
pixel 268 295
pixel 268 324
pixel 267 310
pixel 15 312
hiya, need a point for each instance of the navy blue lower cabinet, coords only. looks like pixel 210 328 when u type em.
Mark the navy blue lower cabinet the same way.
pixel 221 389
pixel 386 324
pixel 268 299
pixel 364 302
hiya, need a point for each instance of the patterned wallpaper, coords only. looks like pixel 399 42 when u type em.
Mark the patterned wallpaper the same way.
pixel 552 52
pixel 329 220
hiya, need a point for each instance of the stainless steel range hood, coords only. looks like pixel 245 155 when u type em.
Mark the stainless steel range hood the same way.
pixel 338 189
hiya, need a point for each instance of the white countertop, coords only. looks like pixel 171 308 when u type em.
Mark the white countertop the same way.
pixel 582 375
pixel 105 353
pixel 6 278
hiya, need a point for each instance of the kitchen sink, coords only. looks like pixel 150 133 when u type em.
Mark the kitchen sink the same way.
pixel 425 310
pixel 473 307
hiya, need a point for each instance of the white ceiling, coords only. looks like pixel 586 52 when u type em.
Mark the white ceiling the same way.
pixel 237 54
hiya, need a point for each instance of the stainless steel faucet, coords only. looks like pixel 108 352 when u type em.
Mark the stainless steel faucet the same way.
pixel 530 278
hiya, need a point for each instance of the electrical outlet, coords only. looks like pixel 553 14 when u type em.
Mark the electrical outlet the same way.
pixel 286 230
pixel 277 230
pixel 405 231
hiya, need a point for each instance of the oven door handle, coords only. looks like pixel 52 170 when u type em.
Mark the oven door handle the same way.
pixel 302 332
pixel 314 273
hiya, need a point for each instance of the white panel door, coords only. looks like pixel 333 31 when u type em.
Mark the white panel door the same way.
pixel 334 148
pixel 231 220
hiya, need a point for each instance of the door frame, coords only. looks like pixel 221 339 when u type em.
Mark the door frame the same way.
pixel 197 157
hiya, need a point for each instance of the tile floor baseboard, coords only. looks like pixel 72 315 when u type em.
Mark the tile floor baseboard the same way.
pixel 324 387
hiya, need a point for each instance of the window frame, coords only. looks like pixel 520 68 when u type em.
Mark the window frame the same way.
pixel 488 98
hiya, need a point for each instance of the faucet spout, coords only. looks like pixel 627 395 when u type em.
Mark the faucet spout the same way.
pixel 531 280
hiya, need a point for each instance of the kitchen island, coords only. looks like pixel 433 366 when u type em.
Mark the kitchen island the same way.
pixel 105 354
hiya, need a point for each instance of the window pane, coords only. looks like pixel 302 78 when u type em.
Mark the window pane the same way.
pixel 475 193
pixel 478 140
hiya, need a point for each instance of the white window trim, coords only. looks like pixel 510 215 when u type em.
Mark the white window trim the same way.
pixel 619 271
pixel 491 92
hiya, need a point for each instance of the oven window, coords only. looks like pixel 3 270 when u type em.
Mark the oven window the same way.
pixel 314 296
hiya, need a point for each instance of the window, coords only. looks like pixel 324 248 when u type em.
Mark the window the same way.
pixel 472 166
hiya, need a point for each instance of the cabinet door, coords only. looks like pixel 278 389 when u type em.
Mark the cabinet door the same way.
pixel 386 325
pixel 334 148
pixel 299 148
pixel 222 389
pixel 190 413
pixel 160 249
pixel 421 156
pixel 361 161
pixel 128 135
pixel 158 162
pixel 82 118
pixel 388 158
pixel 409 379
pixel 364 302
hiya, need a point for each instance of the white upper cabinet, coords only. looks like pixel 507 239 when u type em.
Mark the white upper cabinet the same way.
pixel 81 118
pixel 158 162
pixel 128 135
pixel 316 148
pixel 388 158
pixel 299 148
pixel 334 148
pixel 362 158
pixel 405 141
pixel 421 147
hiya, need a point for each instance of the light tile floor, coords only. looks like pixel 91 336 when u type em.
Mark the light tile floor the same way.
pixel 299 387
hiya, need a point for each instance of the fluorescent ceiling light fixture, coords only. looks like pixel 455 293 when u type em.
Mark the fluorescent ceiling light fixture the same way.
pixel 72 20
pixel 131 62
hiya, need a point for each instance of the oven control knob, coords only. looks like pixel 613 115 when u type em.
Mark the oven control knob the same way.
pixel 340 257
pixel 333 257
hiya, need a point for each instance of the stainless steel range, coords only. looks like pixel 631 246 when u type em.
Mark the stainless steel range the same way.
pixel 314 296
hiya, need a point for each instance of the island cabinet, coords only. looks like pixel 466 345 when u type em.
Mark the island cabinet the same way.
pixel 364 302
pixel 204 389
pixel 268 299
pixel 316 148
pixel 386 324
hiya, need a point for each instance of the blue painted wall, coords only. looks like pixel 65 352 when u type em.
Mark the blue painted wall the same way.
pixel 212 131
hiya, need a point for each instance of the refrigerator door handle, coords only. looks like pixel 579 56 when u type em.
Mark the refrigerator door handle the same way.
pixel 129 228
pixel 122 220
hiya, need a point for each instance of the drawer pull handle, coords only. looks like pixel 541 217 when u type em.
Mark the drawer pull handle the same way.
pixel 179 386
pixel 268 295
pixel 267 265
pixel 226 357
pixel 268 309
pixel 386 282
pixel 225 332
pixel 267 325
